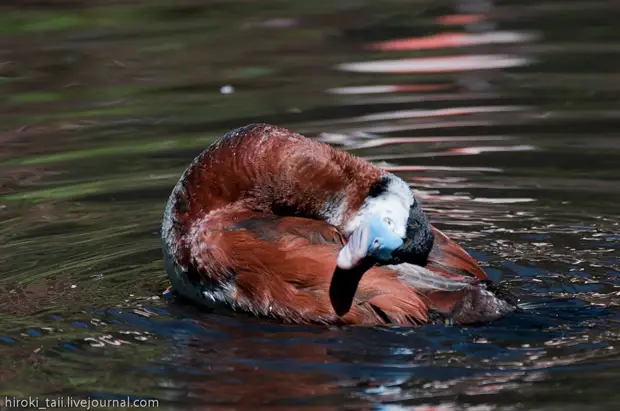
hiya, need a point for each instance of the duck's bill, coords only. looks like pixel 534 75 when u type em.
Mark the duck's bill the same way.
pixel 372 238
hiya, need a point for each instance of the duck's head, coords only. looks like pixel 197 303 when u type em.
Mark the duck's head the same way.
pixel 389 228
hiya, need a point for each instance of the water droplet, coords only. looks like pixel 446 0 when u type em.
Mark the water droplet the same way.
pixel 227 89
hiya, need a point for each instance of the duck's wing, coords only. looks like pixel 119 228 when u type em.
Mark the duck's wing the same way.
pixel 285 267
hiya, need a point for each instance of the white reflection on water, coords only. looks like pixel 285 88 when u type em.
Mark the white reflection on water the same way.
pixel 444 112
pixel 437 64
pixel 388 88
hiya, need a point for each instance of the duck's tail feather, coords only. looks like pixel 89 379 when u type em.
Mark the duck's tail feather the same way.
pixel 462 300
pixel 423 279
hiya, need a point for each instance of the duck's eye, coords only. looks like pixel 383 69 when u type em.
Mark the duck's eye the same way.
pixel 389 222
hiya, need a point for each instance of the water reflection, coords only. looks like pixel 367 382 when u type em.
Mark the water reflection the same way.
pixel 500 115
pixel 450 64
pixel 452 40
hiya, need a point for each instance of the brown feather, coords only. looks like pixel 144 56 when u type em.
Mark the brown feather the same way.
pixel 297 175
pixel 449 259
pixel 285 272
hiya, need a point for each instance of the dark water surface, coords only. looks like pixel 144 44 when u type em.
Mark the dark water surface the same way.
pixel 504 115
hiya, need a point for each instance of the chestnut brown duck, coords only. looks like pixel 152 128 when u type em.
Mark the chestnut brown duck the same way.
pixel 268 222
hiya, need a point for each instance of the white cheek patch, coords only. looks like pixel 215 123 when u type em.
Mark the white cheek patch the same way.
pixel 392 206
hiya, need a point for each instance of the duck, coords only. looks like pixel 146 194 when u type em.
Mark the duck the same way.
pixel 273 224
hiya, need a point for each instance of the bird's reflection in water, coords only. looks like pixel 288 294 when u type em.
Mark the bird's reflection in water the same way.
pixel 253 367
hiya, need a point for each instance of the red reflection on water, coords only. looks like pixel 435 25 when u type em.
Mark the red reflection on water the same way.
pixel 436 41
pixel 459 19
pixel 257 368
pixel 447 40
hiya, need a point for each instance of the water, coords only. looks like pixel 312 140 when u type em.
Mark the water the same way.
pixel 503 115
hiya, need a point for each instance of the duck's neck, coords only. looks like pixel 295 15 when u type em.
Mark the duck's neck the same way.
pixel 273 170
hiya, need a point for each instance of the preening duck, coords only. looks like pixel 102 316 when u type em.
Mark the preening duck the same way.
pixel 271 223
